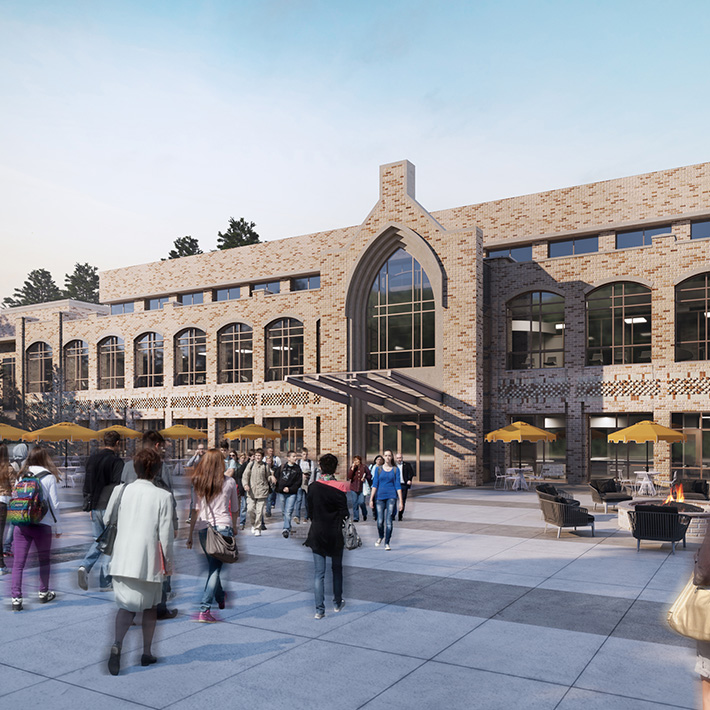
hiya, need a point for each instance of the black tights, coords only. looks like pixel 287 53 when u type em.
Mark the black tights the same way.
pixel 124 619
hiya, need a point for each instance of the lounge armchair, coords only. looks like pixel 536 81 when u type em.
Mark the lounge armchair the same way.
pixel 661 523
pixel 608 491
pixel 694 488
pixel 550 492
pixel 563 513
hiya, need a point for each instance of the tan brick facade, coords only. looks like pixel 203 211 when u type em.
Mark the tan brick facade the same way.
pixel 471 294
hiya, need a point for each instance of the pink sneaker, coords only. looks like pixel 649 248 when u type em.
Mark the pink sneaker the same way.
pixel 205 617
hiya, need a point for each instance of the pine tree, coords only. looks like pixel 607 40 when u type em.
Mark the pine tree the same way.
pixel 184 246
pixel 39 287
pixel 239 234
pixel 83 283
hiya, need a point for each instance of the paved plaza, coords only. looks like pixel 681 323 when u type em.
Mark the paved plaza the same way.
pixel 476 606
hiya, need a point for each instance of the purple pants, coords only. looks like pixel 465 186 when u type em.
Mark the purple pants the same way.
pixel 25 535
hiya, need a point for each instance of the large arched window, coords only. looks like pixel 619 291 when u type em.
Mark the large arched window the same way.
pixel 112 363
pixel 39 367
pixel 76 365
pixel 235 348
pixel 148 361
pixel 692 312
pixel 619 324
pixel 284 349
pixel 400 316
pixel 191 357
pixel 536 331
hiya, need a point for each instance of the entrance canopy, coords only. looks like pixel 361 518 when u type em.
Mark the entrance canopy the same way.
pixel 376 387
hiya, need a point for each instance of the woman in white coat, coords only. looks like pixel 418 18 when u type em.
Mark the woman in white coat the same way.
pixel 142 553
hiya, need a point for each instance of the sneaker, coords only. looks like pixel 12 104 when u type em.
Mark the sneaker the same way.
pixel 205 617
pixel 17 603
pixel 319 615
pixel 263 527
pixel 82 578
pixel 297 521
pixel 106 589
pixel 242 526
pixel 378 543
pixel 223 603
pixel 285 533
pixel 48 596
pixel 257 532
pixel 339 607
pixel 387 547
pixel 253 531
pixel 268 513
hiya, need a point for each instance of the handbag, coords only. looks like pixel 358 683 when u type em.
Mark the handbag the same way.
pixel 689 614
pixel 221 547
pixel 108 536
pixel 350 535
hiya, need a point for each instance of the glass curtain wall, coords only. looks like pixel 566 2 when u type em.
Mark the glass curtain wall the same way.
pixel 191 357
pixel 224 426
pixel 615 460
pixel 39 367
pixel 536 453
pixel 290 431
pixel 149 360
pixel 400 316
pixel 235 349
pixel 691 458
pixel 112 363
pixel 76 366
pixel 692 311
pixel 284 349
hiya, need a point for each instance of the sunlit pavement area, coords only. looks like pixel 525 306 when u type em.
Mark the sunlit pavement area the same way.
pixel 475 606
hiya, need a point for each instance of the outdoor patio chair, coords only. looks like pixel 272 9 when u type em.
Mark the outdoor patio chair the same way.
pixel 564 514
pixel 608 491
pixel 500 479
pixel 550 492
pixel 661 523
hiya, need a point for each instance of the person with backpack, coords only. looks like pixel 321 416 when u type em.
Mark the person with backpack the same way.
pixel 34 509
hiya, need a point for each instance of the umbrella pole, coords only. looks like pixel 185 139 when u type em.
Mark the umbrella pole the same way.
pixel 647 456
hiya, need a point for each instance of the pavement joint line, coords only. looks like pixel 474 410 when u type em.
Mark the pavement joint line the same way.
pixel 399 680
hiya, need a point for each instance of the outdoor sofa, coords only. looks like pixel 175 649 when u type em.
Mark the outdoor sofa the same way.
pixel 608 491
pixel 694 488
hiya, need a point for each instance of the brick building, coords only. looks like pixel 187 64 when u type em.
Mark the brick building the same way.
pixel 581 310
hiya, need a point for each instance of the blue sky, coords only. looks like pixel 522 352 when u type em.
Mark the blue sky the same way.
pixel 129 124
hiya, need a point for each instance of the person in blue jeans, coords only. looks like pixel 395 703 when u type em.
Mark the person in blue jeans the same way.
pixel 327 508
pixel 217 505
pixel 242 462
pixel 103 474
pixel 287 483
pixel 386 494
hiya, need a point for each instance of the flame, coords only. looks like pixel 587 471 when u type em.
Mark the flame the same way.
pixel 676 495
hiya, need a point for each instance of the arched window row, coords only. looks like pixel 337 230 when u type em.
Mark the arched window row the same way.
pixel 284 355
pixel 619 324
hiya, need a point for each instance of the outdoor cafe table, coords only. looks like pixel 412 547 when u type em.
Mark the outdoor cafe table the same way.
pixel 647 488
pixel 516 476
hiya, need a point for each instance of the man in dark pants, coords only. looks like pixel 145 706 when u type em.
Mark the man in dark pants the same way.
pixel 406 474
pixel 155 441
pixel 103 474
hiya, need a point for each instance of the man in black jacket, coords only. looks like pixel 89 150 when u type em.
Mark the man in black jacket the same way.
pixel 103 474
pixel 406 474
pixel 287 486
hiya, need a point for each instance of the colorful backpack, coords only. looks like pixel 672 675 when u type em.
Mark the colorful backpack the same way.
pixel 28 504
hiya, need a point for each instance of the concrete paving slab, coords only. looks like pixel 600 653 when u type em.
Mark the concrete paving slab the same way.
pixel 587 700
pixel 67 696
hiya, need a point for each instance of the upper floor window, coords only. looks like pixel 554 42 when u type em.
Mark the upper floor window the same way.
pixel 572 247
pixel 536 331
pixel 692 312
pixel 515 253
pixel 305 283
pixel 284 349
pixel 191 357
pixel 639 237
pixel 191 299
pixel 119 308
pixel 619 324
pixel 235 349
pixel 39 367
pixel 268 287
pixel 155 304
pixel 76 365
pixel 148 360
pixel 226 294
pixel 112 363
pixel 400 315
pixel 700 230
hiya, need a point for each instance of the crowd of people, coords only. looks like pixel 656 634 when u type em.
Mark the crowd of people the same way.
pixel 134 519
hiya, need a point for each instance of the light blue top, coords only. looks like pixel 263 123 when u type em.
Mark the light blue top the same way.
pixel 386 482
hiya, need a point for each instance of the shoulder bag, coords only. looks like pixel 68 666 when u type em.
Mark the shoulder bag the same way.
pixel 221 547
pixel 350 535
pixel 105 541
pixel 688 615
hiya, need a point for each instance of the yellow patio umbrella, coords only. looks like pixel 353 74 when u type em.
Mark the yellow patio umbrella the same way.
pixel 64 431
pixel 12 433
pixel 124 431
pixel 180 431
pixel 252 431
pixel 644 433
pixel 520 431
